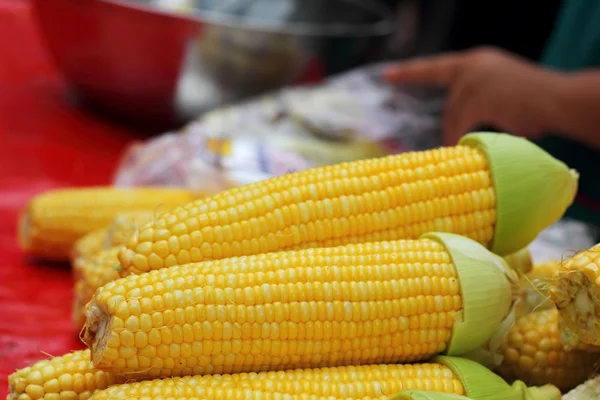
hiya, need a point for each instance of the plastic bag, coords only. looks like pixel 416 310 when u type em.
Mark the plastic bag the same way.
pixel 352 116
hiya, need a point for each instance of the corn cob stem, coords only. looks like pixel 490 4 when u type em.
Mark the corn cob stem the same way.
pixel 53 221
pixel 436 380
pixel 71 376
pixel 90 274
pixel 575 291
pixel 126 223
pixel 372 303
pixel 115 234
pixel 470 189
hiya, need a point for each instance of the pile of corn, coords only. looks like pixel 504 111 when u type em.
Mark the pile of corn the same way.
pixel 402 277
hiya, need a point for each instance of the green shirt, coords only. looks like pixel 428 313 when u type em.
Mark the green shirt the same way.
pixel 573 45
pixel 575 41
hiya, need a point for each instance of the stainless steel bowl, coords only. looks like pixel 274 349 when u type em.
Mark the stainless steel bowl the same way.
pixel 160 67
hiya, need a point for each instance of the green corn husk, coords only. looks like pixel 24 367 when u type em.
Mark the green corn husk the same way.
pixel 482 384
pixel 520 261
pixel 533 189
pixel 486 285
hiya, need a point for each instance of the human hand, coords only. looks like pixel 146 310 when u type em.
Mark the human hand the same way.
pixel 485 86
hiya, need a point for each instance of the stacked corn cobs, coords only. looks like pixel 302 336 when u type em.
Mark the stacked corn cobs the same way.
pixel 403 277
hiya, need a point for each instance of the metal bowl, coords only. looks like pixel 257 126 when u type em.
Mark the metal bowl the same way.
pixel 159 67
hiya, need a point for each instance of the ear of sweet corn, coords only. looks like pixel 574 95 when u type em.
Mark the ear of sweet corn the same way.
pixel 90 274
pixel 53 221
pixel 589 390
pixel 346 382
pixel 576 293
pixel 533 353
pixel 371 381
pixel 368 303
pixel 443 379
pixel 471 189
pixel 71 376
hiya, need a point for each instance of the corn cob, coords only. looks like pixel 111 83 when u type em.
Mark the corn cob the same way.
pixel 90 244
pixel 380 302
pixel 471 189
pixel 575 291
pixel 55 220
pixel 589 390
pixel 356 382
pixel 533 353
pixel 90 274
pixel 444 375
pixel 71 376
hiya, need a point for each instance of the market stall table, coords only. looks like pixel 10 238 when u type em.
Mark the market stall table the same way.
pixel 44 143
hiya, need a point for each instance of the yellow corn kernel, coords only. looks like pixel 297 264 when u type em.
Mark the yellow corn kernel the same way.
pixel 53 221
pixel 396 197
pixel 71 376
pixel 589 390
pixel 545 270
pixel 357 304
pixel 461 189
pixel 533 353
pixel 350 382
pixel 90 274
pixel 575 290
pixel 90 244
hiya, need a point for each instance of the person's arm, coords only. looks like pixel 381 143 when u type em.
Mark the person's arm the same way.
pixel 577 107
pixel 495 88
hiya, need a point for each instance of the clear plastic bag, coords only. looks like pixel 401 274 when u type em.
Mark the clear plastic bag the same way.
pixel 353 116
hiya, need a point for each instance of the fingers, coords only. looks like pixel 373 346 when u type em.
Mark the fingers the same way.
pixel 461 114
pixel 435 70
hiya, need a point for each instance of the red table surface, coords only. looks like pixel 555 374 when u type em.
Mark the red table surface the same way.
pixel 44 143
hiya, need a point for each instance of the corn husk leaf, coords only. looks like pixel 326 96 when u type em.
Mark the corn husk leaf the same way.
pixel 482 384
pixel 486 289
pixel 520 261
pixel 533 189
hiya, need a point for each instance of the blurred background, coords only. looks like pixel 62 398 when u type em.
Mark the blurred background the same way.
pixel 159 63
